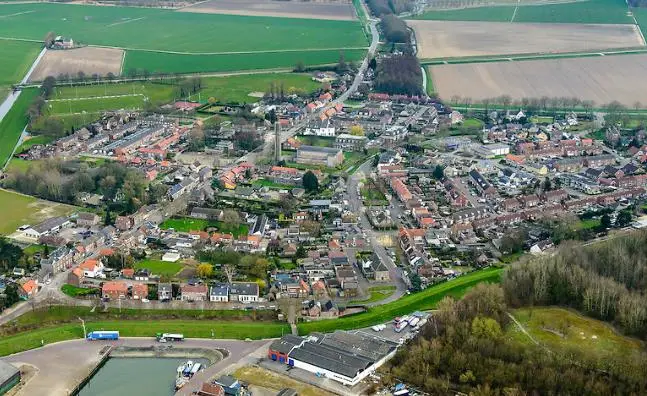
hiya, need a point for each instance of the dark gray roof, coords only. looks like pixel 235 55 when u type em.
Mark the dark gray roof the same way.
pixel 244 288
pixel 219 290
pixel 286 343
pixel 327 150
pixel 341 352
pixel 7 371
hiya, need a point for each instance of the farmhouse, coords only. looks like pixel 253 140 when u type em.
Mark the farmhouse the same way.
pixel 345 357
pixel 323 156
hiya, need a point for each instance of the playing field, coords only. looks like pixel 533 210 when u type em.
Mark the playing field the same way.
pixel 167 30
pixel 17 57
pixel 17 209
pixel 446 39
pixel 13 123
pixel 237 89
pixel 176 63
pixel 89 60
pixel 159 267
pixel 588 11
pixel 601 79
pixel 95 105
pixel 274 8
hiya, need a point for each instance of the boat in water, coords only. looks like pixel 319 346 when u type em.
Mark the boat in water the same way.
pixel 187 368
pixel 180 382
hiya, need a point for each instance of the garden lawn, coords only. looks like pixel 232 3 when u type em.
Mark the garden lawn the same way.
pixel 424 300
pixel 17 57
pixel 74 291
pixel 32 141
pixel 159 267
pixel 563 329
pixel 377 293
pixel 236 89
pixel 179 63
pixel 13 123
pixel 185 224
pixel 167 30
pixel 271 184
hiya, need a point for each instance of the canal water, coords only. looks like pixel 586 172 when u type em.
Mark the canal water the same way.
pixel 135 376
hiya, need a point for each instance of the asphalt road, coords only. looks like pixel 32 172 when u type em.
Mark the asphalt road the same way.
pixel 356 206
pixel 267 147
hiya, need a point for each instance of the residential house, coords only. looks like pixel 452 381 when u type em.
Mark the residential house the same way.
pixel 139 291
pixel 194 292
pixel 244 292
pixel 164 292
pixel 58 261
pixel 92 268
pixel 219 293
pixel 87 219
pixel 28 289
pixel 375 269
pixel 114 290
pixel 75 277
pixel 124 223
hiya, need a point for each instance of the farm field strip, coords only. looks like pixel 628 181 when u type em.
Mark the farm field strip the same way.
pixel 167 30
pixel 172 63
pixel 446 39
pixel 600 79
pixel 589 11
pixel 89 60
pixel 17 57
pixel 18 209
pixel 288 9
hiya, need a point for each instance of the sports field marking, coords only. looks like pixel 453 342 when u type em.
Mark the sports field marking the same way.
pixel 126 21
pixel 16 14
pixel 93 97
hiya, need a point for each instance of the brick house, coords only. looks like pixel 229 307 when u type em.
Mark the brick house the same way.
pixel 114 290
pixel 194 292
pixel 139 291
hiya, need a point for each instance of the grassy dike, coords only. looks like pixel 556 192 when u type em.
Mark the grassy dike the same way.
pixel 425 300
pixel 60 323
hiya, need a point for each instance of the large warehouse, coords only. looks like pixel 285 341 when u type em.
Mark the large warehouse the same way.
pixel 346 357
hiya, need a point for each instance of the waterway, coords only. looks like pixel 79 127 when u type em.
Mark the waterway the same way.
pixel 135 376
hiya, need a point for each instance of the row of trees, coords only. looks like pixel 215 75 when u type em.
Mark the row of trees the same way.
pixel 399 74
pixel 383 7
pixel 463 349
pixel 606 280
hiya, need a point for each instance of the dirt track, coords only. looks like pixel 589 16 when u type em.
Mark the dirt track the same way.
pixel 601 79
pixel 331 10
pixel 446 39
pixel 89 60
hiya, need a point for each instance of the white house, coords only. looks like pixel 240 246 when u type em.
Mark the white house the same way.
pixel 244 292
pixel 219 293
pixel 92 268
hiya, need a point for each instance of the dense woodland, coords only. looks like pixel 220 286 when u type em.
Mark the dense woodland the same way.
pixel 399 74
pixel 395 29
pixel 60 181
pixel 463 348
pixel 607 280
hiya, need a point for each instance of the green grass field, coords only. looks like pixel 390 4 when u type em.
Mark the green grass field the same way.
pixel 167 30
pixel 187 224
pixel 13 123
pixel 376 293
pixel 142 328
pixel 59 323
pixel 34 140
pixel 158 93
pixel 560 329
pixel 178 63
pixel 159 267
pixel 94 105
pixel 591 11
pixel 17 209
pixel 424 300
pixel 17 57
pixel 236 89
pixel 74 291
